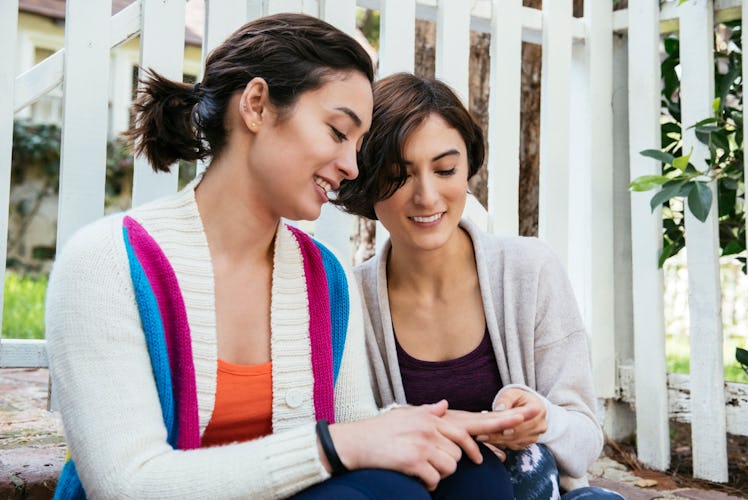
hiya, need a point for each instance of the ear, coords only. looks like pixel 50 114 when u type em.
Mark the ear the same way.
pixel 254 104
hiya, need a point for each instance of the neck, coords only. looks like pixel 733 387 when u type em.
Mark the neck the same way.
pixel 236 223
pixel 431 271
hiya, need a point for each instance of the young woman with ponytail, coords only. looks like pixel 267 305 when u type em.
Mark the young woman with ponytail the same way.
pixel 201 348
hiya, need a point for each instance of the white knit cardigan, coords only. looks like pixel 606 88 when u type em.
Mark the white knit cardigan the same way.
pixel 107 395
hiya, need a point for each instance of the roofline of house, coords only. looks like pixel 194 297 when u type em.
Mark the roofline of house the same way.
pixel 190 37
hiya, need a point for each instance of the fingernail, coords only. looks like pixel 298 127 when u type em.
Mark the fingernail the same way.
pixel 481 437
pixel 508 432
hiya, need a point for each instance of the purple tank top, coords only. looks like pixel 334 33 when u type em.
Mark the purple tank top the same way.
pixel 469 382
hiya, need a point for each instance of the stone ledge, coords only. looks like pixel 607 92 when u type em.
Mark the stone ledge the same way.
pixel 30 473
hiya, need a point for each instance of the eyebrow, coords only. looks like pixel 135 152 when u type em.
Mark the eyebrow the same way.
pixel 352 114
pixel 438 157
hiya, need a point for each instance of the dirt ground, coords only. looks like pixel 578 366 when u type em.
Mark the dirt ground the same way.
pixel 680 474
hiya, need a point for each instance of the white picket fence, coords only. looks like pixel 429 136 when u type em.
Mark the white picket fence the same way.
pixel 600 107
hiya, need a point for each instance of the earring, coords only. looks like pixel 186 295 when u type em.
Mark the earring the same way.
pixel 253 125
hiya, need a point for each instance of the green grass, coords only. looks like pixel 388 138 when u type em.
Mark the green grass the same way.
pixel 23 306
pixel 678 357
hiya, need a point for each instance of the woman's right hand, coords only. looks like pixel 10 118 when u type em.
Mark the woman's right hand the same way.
pixel 415 440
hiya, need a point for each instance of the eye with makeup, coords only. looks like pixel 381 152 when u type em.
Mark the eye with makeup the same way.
pixel 339 136
pixel 446 172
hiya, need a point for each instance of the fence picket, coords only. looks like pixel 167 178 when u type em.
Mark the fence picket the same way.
pixel 652 437
pixel 8 30
pixel 597 219
pixel 553 203
pixel 161 49
pixel 276 6
pixel 504 117
pixel 702 244
pixel 339 13
pixel 84 119
pixel 453 46
pixel 333 226
pixel 397 37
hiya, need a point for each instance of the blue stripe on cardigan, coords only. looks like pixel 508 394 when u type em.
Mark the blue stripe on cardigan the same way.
pixel 153 327
pixel 337 285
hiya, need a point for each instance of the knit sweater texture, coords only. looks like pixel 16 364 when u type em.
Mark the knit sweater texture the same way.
pixel 536 332
pixel 103 377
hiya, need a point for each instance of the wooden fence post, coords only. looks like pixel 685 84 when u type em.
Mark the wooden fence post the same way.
pixel 598 217
pixel 652 429
pixel 334 227
pixel 453 46
pixel 708 424
pixel 84 117
pixel 8 30
pixel 397 35
pixel 504 117
pixel 161 49
pixel 553 216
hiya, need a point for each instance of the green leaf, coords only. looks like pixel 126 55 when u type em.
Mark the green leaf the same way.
pixel 741 355
pixel 672 45
pixel 731 184
pixel 716 104
pixel 667 251
pixel 700 200
pixel 732 248
pixel 705 121
pixel 662 156
pixel 647 182
pixel 668 191
pixel 708 129
pixel 686 189
pixel 681 162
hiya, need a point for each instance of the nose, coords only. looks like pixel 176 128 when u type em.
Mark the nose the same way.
pixel 425 192
pixel 348 166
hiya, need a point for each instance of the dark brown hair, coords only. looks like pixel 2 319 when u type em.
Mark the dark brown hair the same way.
pixel 294 53
pixel 401 103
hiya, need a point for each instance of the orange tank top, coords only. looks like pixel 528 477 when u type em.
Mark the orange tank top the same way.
pixel 243 408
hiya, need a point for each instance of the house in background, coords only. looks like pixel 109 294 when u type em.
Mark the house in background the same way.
pixel 41 32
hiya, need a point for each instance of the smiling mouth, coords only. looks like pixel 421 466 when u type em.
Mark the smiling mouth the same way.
pixel 326 186
pixel 430 218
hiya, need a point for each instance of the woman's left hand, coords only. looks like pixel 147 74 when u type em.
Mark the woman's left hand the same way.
pixel 523 434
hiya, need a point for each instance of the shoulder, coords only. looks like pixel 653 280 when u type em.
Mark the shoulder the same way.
pixel 98 241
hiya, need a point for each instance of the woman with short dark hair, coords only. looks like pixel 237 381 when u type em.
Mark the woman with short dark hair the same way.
pixel 483 321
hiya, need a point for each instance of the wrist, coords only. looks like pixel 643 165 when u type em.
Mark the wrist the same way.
pixel 329 451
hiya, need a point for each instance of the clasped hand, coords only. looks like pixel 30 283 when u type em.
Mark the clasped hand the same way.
pixel 423 441
pixel 523 434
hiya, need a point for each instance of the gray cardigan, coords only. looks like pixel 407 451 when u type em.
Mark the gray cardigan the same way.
pixel 537 335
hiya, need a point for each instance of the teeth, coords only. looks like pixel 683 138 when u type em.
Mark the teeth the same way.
pixel 323 184
pixel 431 218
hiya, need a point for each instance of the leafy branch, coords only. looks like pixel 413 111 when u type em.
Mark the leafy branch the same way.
pixel 681 184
